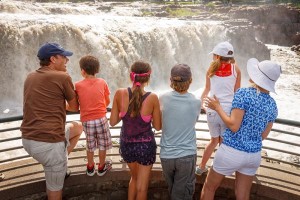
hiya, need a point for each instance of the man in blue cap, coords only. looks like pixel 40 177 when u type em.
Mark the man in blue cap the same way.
pixel 48 93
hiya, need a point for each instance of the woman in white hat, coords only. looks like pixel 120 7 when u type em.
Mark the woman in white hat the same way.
pixel 251 119
pixel 223 78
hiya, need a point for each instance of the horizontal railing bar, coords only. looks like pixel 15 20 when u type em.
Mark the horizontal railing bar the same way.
pixel 287 122
pixel 265 157
pixel 280 150
pixel 76 149
pixel 278 120
pixel 286 132
pixel 276 168
pixel 117 154
pixel 10 149
pixel 15 158
pixel 280 161
pixel 158 145
pixel 201 120
pixel 20 166
pixel 11 119
pixel 115 127
pixel 284 142
pixel 10 139
pixel 203 139
pixel 9 129
pixel 202 129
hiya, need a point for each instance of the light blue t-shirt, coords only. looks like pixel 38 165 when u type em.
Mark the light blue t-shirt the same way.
pixel 260 109
pixel 179 115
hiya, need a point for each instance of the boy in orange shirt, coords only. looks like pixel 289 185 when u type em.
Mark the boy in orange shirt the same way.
pixel 93 95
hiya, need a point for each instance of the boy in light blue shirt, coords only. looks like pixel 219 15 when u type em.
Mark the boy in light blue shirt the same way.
pixel 180 110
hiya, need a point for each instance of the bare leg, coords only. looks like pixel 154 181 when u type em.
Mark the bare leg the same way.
pixel 75 132
pixel 212 182
pixel 102 157
pixel 138 185
pixel 54 195
pixel 208 151
pixel 243 185
pixel 90 158
pixel 133 180
pixel 143 181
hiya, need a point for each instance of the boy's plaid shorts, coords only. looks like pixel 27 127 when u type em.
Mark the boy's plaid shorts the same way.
pixel 97 134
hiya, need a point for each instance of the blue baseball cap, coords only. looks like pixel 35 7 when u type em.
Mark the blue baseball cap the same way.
pixel 51 49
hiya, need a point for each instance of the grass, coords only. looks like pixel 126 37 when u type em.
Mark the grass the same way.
pixel 147 13
pixel 297 5
pixel 178 3
pixel 210 5
pixel 181 12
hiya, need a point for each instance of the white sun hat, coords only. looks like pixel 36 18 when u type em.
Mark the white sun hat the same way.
pixel 224 49
pixel 264 74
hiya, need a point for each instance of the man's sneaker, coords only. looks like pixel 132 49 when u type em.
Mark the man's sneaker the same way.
pixel 90 171
pixel 200 171
pixel 68 173
pixel 105 169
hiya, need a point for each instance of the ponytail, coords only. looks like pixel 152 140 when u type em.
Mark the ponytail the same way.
pixel 135 103
pixel 140 73
pixel 214 66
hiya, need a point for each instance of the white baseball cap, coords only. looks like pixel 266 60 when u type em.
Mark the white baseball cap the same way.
pixel 224 49
pixel 264 74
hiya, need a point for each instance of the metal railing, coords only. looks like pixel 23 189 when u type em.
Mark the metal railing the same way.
pixel 283 128
pixel 280 155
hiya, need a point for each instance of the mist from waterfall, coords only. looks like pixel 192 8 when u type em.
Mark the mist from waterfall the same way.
pixel 116 41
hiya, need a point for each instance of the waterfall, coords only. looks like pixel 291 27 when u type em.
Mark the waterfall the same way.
pixel 116 40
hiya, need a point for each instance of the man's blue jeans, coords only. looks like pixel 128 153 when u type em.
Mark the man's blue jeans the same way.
pixel 180 176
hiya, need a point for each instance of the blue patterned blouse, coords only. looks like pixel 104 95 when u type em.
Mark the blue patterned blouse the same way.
pixel 260 109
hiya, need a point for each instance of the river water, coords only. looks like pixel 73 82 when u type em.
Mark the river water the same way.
pixel 118 36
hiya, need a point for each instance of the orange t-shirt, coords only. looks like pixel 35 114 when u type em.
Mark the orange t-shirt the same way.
pixel 91 95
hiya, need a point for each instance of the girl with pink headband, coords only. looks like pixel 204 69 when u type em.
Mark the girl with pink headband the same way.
pixel 140 112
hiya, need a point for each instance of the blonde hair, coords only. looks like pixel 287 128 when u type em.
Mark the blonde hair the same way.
pixel 215 65
pixel 180 86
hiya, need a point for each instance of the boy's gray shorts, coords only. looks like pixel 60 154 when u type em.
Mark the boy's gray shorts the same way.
pixel 180 176
pixel 53 157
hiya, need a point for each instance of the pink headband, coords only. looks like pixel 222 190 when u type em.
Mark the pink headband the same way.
pixel 133 75
pixel 137 84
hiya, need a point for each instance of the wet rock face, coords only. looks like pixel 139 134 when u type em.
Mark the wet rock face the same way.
pixel 278 25
pixel 246 45
pixel 270 24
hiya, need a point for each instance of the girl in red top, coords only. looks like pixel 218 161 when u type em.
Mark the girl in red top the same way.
pixel 223 78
